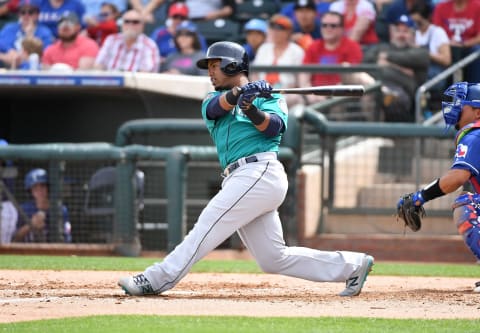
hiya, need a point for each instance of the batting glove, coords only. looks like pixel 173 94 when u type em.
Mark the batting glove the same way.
pixel 252 90
pixel 264 88
pixel 246 99
pixel 417 199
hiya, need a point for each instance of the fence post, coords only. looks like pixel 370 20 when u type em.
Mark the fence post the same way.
pixel 176 174
pixel 55 180
pixel 125 235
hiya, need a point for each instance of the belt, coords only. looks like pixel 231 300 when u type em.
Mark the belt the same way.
pixel 249 159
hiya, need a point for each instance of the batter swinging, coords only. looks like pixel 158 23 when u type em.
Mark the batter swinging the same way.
pixel 246 123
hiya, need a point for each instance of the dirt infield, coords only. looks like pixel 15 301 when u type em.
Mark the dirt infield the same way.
pixel 30 295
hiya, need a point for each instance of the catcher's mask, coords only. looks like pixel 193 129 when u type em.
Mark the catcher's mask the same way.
pixel 463 93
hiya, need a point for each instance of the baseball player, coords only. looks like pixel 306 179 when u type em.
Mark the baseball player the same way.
pixel 36 230
pixel 246 123
pixel 463 113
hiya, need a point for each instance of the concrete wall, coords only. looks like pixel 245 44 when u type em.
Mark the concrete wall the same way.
pixel 40 114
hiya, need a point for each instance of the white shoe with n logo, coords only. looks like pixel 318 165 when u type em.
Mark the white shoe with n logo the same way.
pixel 355 282
pixel 137 285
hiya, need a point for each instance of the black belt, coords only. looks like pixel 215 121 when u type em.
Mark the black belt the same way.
pixel 235 165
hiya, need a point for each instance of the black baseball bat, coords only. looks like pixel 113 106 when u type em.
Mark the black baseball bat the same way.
pixel 336 90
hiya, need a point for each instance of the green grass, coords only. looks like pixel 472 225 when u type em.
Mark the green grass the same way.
pixel 218 266
pixel 187 324
pixel 173 324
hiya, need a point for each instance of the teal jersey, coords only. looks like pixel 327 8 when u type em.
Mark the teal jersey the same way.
pixel 234 134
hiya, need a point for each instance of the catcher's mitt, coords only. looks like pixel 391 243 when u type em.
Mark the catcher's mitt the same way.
pixel 410 213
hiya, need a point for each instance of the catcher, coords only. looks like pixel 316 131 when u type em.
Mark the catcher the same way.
pixel 463 113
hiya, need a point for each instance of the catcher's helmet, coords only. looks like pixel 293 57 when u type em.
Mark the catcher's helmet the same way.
pixel 35 176
pixel 463 93
pixel 234 58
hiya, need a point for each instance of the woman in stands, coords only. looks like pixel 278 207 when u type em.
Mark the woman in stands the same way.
pixel 189 51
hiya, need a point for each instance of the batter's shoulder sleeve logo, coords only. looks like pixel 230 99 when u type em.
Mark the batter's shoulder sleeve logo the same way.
pixel 282 105
pixel 462 151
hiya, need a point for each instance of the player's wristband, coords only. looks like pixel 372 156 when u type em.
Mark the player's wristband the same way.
pixel 432 190
pixel 255 115
pixel 231 98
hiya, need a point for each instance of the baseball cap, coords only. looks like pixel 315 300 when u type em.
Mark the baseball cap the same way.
pixel 70 17
pixel 405 19
pixel 29 3
pixel 281 22
pixel 187 26
pixel 256 24
pixel 305 4
pixel 178 8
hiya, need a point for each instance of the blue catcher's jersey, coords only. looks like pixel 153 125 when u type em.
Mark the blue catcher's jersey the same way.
pixel 234 134
pixel 467 154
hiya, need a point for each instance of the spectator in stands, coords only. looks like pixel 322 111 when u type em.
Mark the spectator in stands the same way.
pixel 104 24
pixel 37 210
pixel 306 23
pixel 399 8
pixel 388 13
pixel 435 39
pixel 280 50
pixel 31 53
pixel 72 48
pixel 52 10
pixel 255 35
pixel 359 17
pixel 94 9
pixel 210 9
pixel 13 33
pixel 8 212
pixel 130 50
pixel 164 35
pixel 8 9
pixel 184 61
pixel 334 48
pixel 461 21
pixel 150 10
pixel 322 6
pixel 404 68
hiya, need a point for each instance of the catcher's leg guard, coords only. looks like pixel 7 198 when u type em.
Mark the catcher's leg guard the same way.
pixel 466 216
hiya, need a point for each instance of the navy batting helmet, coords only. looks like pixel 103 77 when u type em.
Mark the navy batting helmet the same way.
pixel 35 176
pixel 463 93
pixel 233 57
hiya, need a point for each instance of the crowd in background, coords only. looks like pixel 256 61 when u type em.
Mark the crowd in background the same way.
pixel 412 40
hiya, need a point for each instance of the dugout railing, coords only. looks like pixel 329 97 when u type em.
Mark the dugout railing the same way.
pixel 365 166
pixel 454 71
pixel 178 180
pixel 70 167
pixel 184 165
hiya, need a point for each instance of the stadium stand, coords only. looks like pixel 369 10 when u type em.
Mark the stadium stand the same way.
pixel 249 9
pixel 220 29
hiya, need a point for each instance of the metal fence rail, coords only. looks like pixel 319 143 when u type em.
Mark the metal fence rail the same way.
pixel 111 214
pixel 366 167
